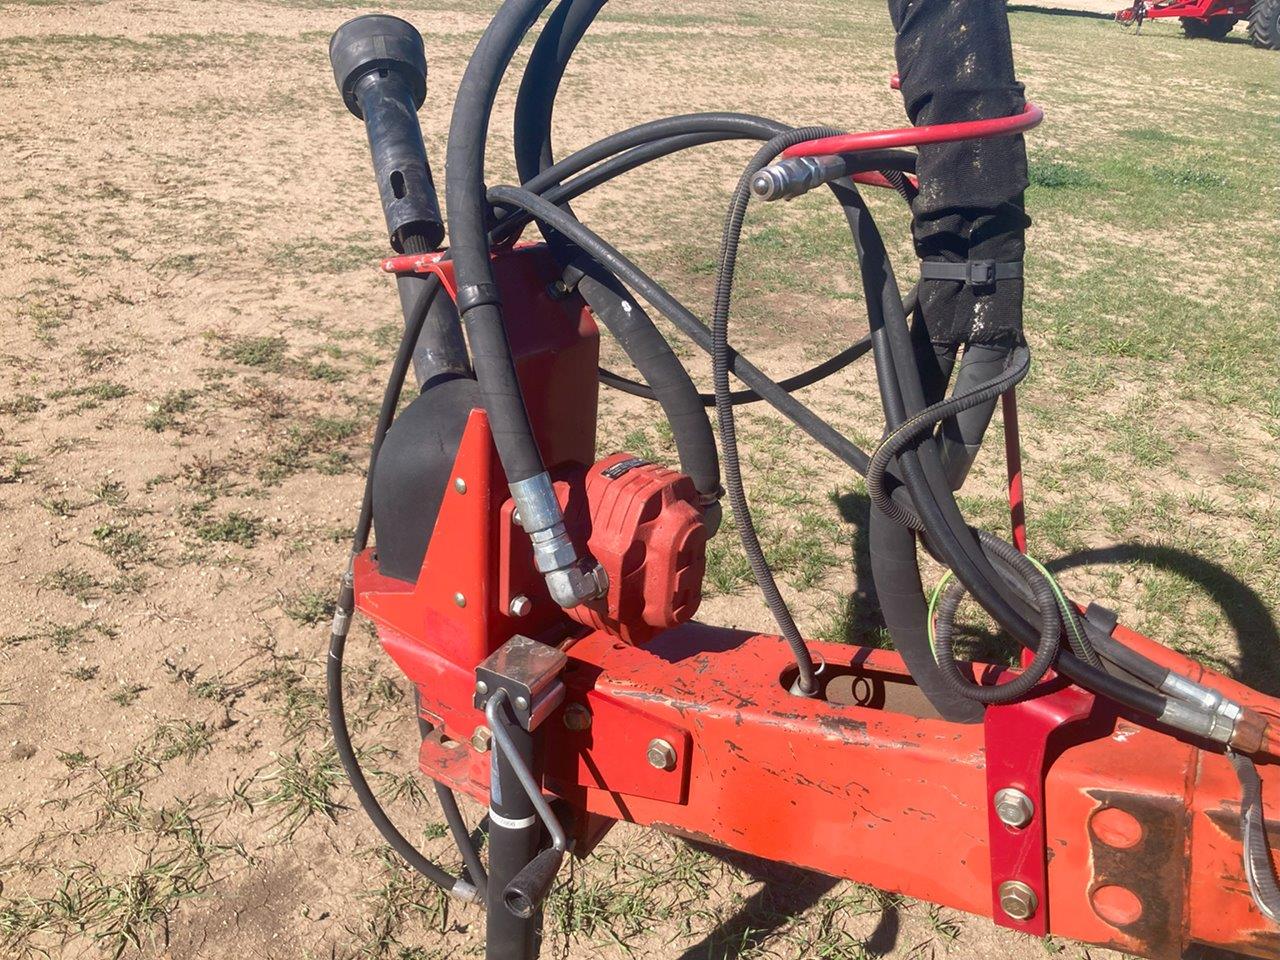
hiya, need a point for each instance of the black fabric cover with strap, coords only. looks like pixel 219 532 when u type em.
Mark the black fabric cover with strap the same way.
pixel 955 62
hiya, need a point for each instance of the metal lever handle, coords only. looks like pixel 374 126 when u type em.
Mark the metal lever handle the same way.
pixel 530 886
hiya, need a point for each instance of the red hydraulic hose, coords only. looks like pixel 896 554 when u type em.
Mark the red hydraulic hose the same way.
pixel 918 136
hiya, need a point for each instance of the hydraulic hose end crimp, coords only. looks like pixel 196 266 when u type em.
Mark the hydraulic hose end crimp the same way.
pixel 570 580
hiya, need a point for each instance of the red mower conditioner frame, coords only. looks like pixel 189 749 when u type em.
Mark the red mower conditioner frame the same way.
pixel 1104 804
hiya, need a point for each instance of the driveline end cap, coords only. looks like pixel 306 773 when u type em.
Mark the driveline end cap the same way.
pixel 377 41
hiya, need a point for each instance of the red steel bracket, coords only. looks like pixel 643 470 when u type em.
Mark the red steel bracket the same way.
pixel 1018 758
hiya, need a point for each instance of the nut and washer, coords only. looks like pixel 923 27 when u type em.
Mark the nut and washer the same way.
pixel 577 717
pixel 1013 807
pixel 1018 900
pixel 459 484
pixel 662 756
pixel 481 740
pixel 520 606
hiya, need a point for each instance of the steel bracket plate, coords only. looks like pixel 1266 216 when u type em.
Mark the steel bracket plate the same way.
pixel 1017 742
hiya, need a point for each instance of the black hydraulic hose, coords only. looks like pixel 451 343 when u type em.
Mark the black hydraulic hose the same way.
pixel 343 610
pixel 805 378
pixel 630 325
pixel 744 125
pixel 350 763
pixel 666 376
pixel 535 101
pixel 478 299
pixel 462 837
pixel 644 285
pixel 922 423
pixel 902 396
pixel 1046 648
pixel 510 223
pixel 806 683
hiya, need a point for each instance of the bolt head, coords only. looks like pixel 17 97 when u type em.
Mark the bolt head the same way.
pixel 459 484
pixel 515 517
pixel 661 755
pixel 1018 900
pixel 481 687
pixel 520 606
pixel 481 740
pixel 522 703
pixel 460 599
pixel 1013 807
pixel 577 717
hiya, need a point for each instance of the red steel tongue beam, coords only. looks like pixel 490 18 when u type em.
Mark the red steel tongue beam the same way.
pixel 1134 839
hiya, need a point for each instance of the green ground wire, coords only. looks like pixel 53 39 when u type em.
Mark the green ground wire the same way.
pixel 1063 604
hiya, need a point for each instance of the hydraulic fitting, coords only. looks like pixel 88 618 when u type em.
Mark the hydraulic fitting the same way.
pixel 1212 715
pixel 795 176
pixel 570 580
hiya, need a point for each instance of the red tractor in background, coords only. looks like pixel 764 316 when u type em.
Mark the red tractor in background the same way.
pixel 1211 19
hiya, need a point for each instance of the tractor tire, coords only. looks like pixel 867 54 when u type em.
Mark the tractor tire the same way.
pixel 1208 28
pixel 1264 24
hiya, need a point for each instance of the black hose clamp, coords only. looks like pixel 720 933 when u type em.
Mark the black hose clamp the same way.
pixel 975 273
pixel 477 295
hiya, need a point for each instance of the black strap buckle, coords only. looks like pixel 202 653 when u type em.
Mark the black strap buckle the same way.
pixel 975 273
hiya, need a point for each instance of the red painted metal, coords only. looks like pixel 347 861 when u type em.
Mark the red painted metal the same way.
pixel 919 136
pixel 1187 9
pixel 647 533
pixel 1017 749
pixel 1135 844
pixel 1013 464
pixel 875 178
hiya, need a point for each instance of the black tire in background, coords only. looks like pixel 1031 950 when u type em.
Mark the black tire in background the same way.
pixel 1264 24
pixel 1209 28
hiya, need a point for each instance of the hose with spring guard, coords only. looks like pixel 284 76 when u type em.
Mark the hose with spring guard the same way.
pixel 806 684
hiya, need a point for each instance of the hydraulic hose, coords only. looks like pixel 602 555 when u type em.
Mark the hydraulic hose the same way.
pixel 343 610
pixel 902 396
pixel 570 579
pixel 478 299
pixel 645 286
pixel 805 378
pixel 630 325
pixel 1046 650
pixel 806 683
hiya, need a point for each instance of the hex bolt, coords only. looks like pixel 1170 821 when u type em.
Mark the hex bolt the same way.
pixel 522 703
pixel 1018 900
pixel 481 739
pixel 460 599
pixel 520 606
pixel 459 484
pixel 662 756
pixel 1013 807
pixel 577 717
pixel 481 687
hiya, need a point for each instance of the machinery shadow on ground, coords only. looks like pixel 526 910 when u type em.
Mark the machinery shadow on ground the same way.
pixel 1256 633
pixel 786 892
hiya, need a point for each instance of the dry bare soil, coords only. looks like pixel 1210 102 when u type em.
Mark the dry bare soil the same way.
pixel 193 340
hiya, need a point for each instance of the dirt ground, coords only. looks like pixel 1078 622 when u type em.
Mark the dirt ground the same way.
pixel 193 345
